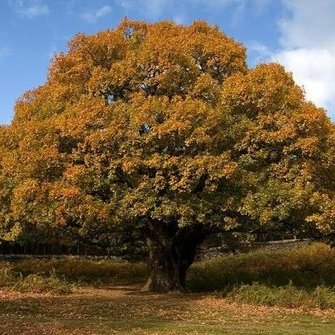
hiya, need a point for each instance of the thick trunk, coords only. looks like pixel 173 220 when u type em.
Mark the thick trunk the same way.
pixel 170 258
pixel 164 277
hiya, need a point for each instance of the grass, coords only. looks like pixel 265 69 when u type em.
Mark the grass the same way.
pixel 264 292
pixel 286 296
pixel 42 284
pixel 37 283
pixel 305 267
pixel 291 278
pixel 64 275
pixel 123 310
pixel 85 270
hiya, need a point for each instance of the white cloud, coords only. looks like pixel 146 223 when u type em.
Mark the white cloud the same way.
pixel 310 24
pixel 308 48
pixel 94 15
pixel 30 8
pixel 314 69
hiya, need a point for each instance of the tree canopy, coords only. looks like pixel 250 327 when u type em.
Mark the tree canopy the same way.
pixel 163 130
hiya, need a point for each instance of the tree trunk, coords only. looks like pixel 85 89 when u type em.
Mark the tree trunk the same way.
pixel 170 258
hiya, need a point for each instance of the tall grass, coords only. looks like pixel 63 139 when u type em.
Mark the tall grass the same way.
pixel 301 277
pixel 85 270
pixel 48 283
pixel 7 276
pixel 304 276
pixel 61 275
pixel 305 267
pixel 285 296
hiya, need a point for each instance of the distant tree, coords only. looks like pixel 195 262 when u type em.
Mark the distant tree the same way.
pixel 161 130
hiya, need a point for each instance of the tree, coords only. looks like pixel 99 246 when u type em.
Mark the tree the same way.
pixel 161 129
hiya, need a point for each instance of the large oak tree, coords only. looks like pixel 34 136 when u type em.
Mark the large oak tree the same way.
pixel 162 130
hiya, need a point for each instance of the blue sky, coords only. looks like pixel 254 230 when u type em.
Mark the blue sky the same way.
pixel 297 33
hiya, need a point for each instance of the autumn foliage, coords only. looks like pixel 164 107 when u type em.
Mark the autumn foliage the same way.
pixel 161 131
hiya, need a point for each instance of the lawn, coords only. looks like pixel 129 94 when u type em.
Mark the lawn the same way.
pixel 262 292
pixel 124 310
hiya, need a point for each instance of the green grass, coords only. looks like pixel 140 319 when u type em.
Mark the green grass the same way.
pixel 264 292
pixel 42 284
pixel 305 267
pixel 301 277
pixel 123 310
pixel 64 275
pixel 285 296
pixel 85 270
pixel 37 283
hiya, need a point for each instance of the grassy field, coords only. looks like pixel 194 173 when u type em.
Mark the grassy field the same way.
pixel 123 310
pixel 264 292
